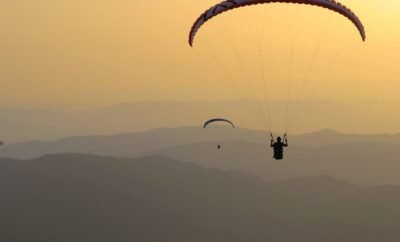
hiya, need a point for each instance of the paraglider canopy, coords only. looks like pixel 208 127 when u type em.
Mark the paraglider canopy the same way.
pixel 233 4
pixel 218 120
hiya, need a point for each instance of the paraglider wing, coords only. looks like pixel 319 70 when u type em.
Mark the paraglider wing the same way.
pixel 233 4
pixel 218 120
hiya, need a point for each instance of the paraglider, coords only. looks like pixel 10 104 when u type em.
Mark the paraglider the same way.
pixel 248 71
pixel 218 120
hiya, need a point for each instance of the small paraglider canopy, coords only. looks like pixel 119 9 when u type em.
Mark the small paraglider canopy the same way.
pixel 220 120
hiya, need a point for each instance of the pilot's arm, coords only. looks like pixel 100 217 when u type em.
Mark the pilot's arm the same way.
pixel 286 144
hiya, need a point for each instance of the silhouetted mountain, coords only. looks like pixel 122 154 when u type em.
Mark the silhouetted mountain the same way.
pixel 35 124
pixel 330 137
pixel 360 163
pixel 88 198
pixel 324 152
pixel 133 144
pixel 125 144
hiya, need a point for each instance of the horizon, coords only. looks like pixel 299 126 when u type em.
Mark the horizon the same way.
pixel 23 123
pixel 185 127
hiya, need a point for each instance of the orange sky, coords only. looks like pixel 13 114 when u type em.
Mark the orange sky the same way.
pixel 96 51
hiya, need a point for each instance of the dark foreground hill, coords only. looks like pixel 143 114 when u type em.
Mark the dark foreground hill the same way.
pixel 89 198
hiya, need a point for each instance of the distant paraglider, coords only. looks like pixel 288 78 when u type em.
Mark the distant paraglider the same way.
pixel 218 120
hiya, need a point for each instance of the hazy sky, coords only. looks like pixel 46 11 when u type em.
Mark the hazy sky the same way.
pixel 97 51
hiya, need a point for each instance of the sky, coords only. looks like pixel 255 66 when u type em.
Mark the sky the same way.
pixel 79 52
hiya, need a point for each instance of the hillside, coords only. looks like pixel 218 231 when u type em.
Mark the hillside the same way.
pixel 89 198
